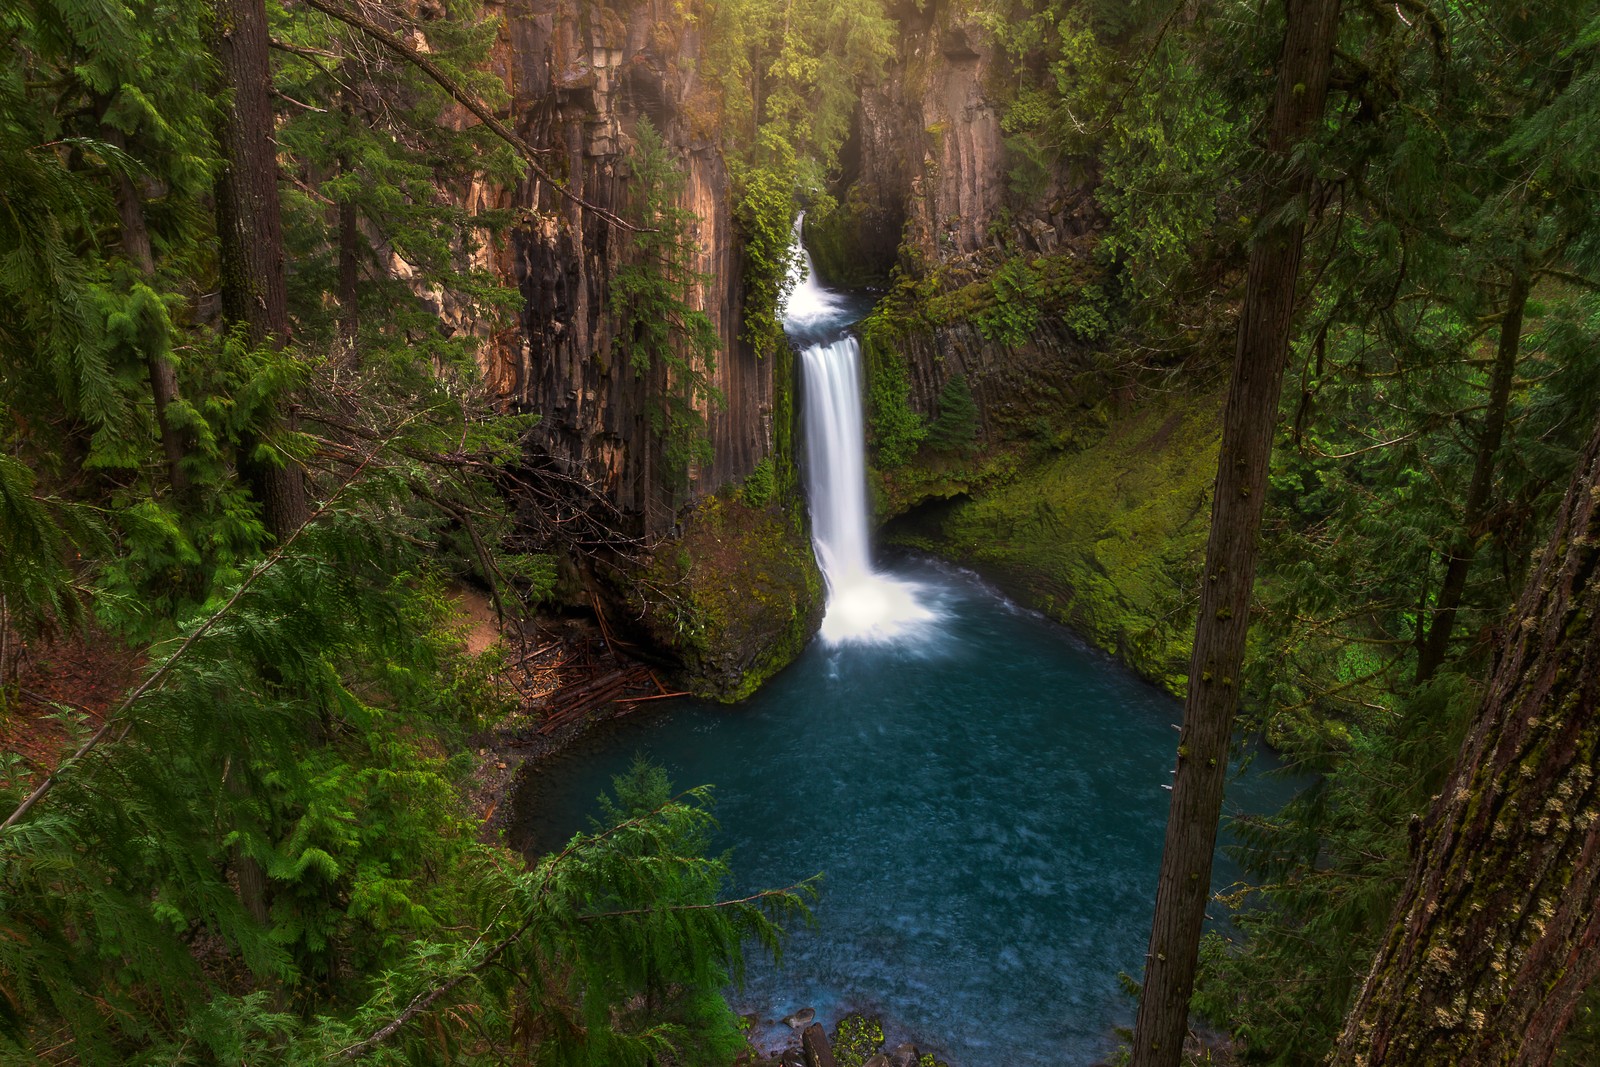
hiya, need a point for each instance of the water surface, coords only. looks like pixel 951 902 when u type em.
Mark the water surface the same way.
pixel 985 801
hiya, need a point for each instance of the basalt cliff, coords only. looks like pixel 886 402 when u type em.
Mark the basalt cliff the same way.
pixel 986 288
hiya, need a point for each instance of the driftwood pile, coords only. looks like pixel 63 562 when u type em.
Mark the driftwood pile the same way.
pixel 574 679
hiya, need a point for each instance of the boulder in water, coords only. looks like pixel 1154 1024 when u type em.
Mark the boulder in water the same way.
pixel 800 1019
pixel 815 1043
pixel 903 1055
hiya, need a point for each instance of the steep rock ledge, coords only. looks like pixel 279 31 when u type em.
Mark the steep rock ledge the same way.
pixel 581 76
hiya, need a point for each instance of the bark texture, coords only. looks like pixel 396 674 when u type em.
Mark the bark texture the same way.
pixel 250 228
pixel 1252 409
pixel 1497 933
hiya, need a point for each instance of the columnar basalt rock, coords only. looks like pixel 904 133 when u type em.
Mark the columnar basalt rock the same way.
pixel 581 76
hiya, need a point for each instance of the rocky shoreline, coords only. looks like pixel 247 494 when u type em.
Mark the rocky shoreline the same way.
pixel 858 1041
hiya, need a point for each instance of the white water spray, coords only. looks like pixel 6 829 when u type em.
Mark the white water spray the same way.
pixel 864 605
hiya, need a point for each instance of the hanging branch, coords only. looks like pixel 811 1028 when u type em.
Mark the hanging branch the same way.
pixel 426 999
pixel 466 99
pixel 114 719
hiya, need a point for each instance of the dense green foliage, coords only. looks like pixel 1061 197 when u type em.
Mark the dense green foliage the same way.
pixel 265 853
pixel 789 75
pixel 1442 379
pixel 265 850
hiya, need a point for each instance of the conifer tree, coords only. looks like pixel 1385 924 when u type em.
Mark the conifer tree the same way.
pixel 955 428
pixel 1492 941
pixel 1217 663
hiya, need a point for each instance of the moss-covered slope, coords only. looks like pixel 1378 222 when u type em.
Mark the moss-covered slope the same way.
pixel 735 598
pixel 1108 539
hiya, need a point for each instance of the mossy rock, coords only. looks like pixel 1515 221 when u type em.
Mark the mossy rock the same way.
pixel 857 1039
pixel 734 598
pixel 1109 539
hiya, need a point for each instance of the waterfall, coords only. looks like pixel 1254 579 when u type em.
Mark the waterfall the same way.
pixel 864 605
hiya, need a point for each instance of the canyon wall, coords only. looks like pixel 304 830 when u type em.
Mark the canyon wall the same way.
pixel 926 211
pixel 581 76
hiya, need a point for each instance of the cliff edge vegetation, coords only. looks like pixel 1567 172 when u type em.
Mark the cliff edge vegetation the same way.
pixel 1107 539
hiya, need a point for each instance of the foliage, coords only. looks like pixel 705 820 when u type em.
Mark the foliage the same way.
pixel 789 75
pixel 266 851
pixel 1013 316
pixel 894 429
pixel 662 331
pixel 370 218
pixel 955 428
pixel 1330 865
pixel 759 485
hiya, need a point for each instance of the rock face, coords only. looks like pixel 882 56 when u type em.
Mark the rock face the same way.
pixel 581 76
pixel 815 1044
pixel 924 175
pixel 923 187
pixel 1107 537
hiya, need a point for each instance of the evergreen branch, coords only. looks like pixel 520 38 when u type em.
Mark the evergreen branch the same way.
pixel 426 999
pixel 788 891
pixel 468 100
pixel 1570 277
pixel 114 718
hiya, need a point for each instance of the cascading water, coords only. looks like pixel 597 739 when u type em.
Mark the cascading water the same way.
pixel 864 605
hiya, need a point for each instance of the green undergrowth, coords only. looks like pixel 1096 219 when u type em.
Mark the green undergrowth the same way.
pixel 1007 303
pixel 1108 538
pixel 736 596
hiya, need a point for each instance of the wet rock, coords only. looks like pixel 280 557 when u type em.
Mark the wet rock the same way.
pixel 1044 236
pixel 815 1044
pixel 801 1019
pixel 792 1057
pixel 880 1060
pixel 903 1055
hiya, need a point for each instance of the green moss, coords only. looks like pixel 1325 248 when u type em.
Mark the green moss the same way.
pixel 857 1039
pixel 785 471
pixel 1108 539
pixel 734 598
pixel 894 430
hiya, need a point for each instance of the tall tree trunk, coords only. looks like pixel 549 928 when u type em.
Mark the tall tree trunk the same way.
pixel 250 231
pixel 1476 508
pixel 1497 932
pixel 163 375
pixel 1252 409
pixel 250 228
